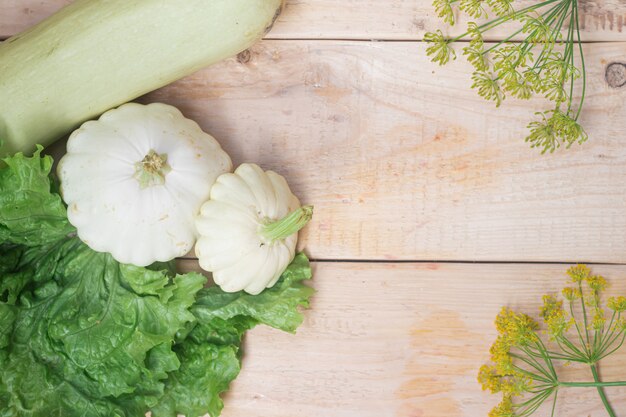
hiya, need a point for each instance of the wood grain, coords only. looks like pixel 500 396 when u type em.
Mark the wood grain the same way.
pixel 403 340
pixel 404 162
pixel 602 20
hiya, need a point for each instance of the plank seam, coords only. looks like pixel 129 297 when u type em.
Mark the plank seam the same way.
pixel 433 261
pixel 398 40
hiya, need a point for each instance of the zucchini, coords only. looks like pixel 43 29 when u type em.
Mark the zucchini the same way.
pixel 94 55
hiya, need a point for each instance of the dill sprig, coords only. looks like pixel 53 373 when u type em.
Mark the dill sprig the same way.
pixel 578 329
pixel 548 61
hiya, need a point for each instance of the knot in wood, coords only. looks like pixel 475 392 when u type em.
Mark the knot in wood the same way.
pixel 244 57
pixel 616 74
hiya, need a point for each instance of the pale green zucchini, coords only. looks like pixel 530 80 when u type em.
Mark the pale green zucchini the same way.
pixel 94 55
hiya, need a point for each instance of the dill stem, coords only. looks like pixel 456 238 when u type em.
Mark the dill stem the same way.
pixel 582 61
pixel 559 11
pixel 564 13
pixel 536 399
pixel 556 394
pixel 607 335
pixel 580 336
pixel 554 12
pixel 582 302
pixel 548 378
pixel 592 384
pixel 604 355
pixel 543 351
pixel 605 401
pixel 548 15
pixel 564 343
pixel 503 41
pixel 531 356
pixel 567 356
pixel 570 45
pixel 498 21
pixel 540 400
pixel 561 14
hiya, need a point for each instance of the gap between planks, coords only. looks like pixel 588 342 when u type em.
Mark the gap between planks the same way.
pixel 445 262
pixel 416 40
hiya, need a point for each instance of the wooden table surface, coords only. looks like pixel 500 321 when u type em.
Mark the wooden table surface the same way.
pixel 431 211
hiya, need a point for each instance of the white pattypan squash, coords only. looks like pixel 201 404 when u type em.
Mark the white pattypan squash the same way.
pixel 135 179
pixel 249 229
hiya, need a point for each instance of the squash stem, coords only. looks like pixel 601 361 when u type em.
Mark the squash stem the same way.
pixel 152 169
pixel 288 225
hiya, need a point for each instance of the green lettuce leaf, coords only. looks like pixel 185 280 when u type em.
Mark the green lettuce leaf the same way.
pixel 194 389
pixel 277 307
pixel 222 319
pixel 30 214
pixel 92 331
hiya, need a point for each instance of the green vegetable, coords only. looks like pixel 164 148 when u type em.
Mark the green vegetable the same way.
pixel 543 64
pixel 83 335
pixel 30 214
pixel 222 320
pixel 94 55
pixel 580 332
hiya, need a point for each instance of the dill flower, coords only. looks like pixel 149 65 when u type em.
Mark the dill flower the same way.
pixel 512 57
pixel 522 86
pixel 553 89
pixel 542 134
pixel 550 305
pixel 557 72
pixel 579 273
pixel 596 282
pixel 473 30
pixel 503 321
pixel 501 7
pixel 516 328
pixel 568 130
pixel 444 10
pixel 440 50
pixel 554 316
pixel 598 321
pixel 537 29
pixel 551 132
pixel 523 333
pixel 516 385
pixel 504 409
pixel 488 87
pixel 473 8
pixel 489 379
pixel 617 304
pixel 557 67
pixel 475 56
pixel 571 294
pixel 501 355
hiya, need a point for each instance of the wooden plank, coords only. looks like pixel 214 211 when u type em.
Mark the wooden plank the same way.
pixel 603 20
pixel 403 161
pixel 403 340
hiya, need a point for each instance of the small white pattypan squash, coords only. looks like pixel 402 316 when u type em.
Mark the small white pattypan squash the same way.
pixel 249 229
pixel 135 179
